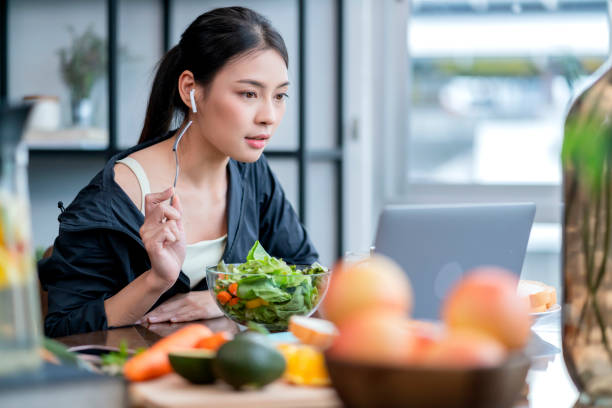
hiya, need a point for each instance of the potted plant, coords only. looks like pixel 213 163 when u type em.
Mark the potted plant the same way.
pixel 81 64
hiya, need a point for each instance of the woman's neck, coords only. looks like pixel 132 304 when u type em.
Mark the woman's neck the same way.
pixel 201 164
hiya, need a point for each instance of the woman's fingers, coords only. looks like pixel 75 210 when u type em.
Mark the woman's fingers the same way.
pixel 169 306
pixel 152 200
pixel 174 229
pixel 167 237
pixel 159 318
pixel 184 316
pixel 157 237
pixel 182 308
pixel 170 213
pixel 176 205
pixel 162 212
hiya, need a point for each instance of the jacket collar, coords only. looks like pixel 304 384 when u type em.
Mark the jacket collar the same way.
pixel 235 198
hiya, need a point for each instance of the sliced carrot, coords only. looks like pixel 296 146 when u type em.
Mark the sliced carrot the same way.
pixel 223 297
pixel 234 301
pixel 154 363
pixel 215 341
pixel 233 288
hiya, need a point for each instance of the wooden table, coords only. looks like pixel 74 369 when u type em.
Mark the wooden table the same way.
pixel 141 336
pixel 548 384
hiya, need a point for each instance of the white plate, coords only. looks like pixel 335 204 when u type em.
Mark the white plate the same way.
pixel 540 315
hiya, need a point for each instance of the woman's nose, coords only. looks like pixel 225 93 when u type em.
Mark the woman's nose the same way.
pixel 266 114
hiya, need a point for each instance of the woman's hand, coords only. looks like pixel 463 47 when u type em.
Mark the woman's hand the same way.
pixel 185 307
pixel 163 236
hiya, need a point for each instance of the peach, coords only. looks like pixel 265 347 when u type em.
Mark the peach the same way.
pixel 463 349
pixel 486 301
pixel 376 282
pixel 423 336
pixel 374 336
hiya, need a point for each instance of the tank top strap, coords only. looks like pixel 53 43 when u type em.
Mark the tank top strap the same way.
pixel 140 174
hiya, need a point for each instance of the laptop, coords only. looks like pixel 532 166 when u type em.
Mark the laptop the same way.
pixel 437 244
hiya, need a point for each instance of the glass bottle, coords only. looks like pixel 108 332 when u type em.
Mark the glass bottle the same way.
pixel 20 320
pixel 587 240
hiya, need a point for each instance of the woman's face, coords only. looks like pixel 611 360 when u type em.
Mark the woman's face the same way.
pixel 244 105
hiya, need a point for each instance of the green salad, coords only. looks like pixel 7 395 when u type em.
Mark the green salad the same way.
pixel 266 290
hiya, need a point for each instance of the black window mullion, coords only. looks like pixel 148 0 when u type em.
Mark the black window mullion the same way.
pixel 112 28
pixel 339 126
pixel 3 50
pixel 302 111
pixel 283 154
pixel 166 25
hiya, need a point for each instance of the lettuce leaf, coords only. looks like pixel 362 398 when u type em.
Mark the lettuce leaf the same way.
pixel 257 253
pixel 260 286
pixel 297 305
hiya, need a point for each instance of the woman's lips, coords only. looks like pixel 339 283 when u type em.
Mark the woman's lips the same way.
pixel 257 142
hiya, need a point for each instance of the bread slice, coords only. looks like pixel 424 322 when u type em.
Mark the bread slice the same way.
pixel 541 296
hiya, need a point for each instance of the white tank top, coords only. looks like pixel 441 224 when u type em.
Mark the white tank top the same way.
pixel 198 255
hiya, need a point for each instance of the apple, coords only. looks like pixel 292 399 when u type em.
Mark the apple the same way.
pixel 376 282
pixel 374 336
pixel 486 300
pixel 424 335
pixel 465 349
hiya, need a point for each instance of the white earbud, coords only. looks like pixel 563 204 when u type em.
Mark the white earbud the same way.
pixel 192 97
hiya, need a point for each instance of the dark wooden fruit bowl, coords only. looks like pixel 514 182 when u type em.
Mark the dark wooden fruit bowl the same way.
pixel 373 385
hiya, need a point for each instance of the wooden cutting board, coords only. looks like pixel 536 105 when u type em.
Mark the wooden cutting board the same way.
pixel 174 391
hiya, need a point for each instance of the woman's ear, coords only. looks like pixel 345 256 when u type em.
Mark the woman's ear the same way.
pixel 186 88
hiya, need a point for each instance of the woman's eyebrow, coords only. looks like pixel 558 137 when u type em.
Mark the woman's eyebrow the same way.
pixel 259 84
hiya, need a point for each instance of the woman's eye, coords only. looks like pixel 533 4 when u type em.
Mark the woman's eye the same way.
pixel 249 94
pixel 281 96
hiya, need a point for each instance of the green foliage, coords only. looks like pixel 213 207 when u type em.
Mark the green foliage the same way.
pixel 113 362
pixel 40 251
pixel 587 147
pixel 83 62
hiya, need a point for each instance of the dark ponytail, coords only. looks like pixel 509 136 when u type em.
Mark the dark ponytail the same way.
pixel 212 39
pixel 162 101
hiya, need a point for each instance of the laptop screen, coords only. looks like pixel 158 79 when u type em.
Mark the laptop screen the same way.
pixel 437 244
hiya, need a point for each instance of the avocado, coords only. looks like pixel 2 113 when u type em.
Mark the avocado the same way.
pixel 248 361
pixel 194 365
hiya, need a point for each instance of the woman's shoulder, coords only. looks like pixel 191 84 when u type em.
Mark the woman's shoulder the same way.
pixel 136 171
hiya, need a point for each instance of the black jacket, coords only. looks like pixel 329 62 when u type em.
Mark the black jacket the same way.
pixel 99 250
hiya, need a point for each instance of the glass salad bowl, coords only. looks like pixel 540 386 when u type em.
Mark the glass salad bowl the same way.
pixel 267 291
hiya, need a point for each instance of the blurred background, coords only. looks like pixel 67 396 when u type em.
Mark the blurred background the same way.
pixel 392 101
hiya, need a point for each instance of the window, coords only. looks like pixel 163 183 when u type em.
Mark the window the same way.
pixel 490 83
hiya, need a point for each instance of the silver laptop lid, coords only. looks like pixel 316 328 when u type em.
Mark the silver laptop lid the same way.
pixel 437 244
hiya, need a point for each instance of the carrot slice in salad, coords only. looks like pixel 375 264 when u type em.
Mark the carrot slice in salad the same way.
pixel 223 297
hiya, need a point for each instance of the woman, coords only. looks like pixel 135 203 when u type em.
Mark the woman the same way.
pixel 131 248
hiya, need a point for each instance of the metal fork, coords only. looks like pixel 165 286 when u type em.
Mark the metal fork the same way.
pixel 174 147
